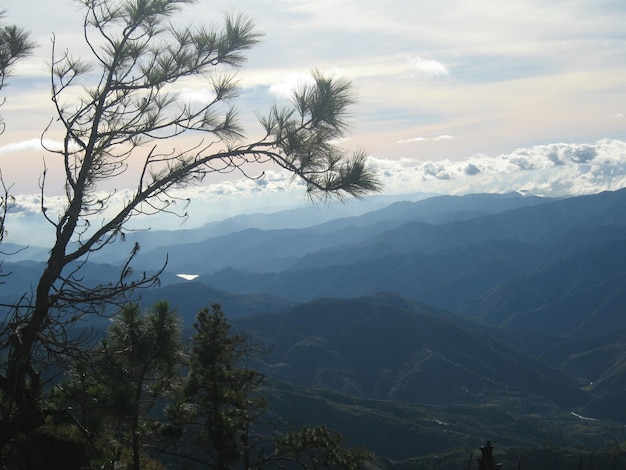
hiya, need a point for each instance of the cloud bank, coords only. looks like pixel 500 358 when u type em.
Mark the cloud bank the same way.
pixel 555 170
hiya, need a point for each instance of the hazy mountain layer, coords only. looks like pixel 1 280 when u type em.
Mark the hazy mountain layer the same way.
pixel 420 327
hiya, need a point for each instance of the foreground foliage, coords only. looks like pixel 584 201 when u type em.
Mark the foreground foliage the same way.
pixel 15 45
pixel 142 399
pixel 318 447
pixel 219 401
pixel 115 109
pixel 116 388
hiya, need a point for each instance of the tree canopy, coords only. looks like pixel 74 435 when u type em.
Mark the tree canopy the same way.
pixel 118 105
pixel 15 44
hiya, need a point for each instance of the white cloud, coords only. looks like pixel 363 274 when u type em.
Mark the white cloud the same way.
pixel 556 170
pixel 408 141
pixel 31 145
pixel 203 95
pixel 429 67
pixel 24 146
pixel 547 170
pixel 506 58
pixel 284 89
pixel 421 139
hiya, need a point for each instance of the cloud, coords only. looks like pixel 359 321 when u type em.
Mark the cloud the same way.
pixel 471 170
pixel 408 141
pixel 556 170
pixel 550 170
pixel 284 89
pixel 32 145
pixel 24 146
pixel 421 139
pixel 429 68
pixel 203 95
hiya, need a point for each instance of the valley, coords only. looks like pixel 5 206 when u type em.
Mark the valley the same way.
pixel 420 328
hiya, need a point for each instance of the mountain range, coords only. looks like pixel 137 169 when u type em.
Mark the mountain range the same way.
pixel 489 312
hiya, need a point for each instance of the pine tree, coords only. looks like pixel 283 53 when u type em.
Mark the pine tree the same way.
pixel 118 387
pixel 218 405
pixel 119 116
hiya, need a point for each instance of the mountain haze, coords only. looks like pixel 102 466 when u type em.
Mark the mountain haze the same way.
pixel 436 320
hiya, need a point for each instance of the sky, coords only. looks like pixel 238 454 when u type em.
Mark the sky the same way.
pixel 453 96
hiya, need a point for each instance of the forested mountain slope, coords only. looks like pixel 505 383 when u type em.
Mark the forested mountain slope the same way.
pixel 383 347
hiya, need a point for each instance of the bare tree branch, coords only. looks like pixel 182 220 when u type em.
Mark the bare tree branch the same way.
pixel 119 105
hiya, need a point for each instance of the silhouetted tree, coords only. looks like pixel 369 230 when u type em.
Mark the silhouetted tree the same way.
pixel 124 115
pixel 117 388
pixel 318 447
pixel 15 44
pixel 221 402
pixel 218 402
pixel 486 460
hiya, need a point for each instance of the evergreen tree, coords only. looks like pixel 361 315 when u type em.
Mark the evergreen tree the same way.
pixel 119 116
pixel 15 44
pixel 317 447
pixel 135 369
pixel 218 403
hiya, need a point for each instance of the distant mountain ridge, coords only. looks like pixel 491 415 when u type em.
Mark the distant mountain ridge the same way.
pixel 505 259
pixel 576 275
pixel 385 348
pixel 266 250
pixel 472 315
pixel 462 264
